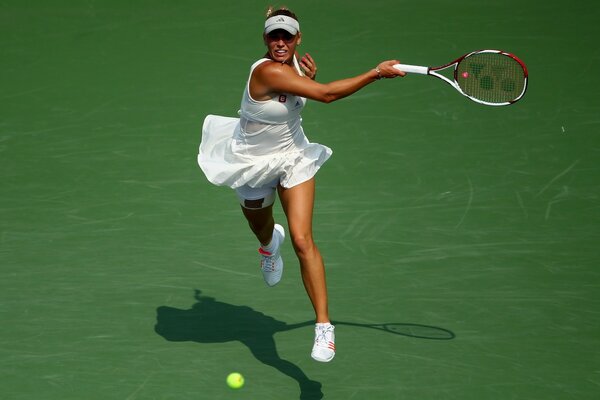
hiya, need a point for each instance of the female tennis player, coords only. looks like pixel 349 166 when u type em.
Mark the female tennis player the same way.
pixel 265 152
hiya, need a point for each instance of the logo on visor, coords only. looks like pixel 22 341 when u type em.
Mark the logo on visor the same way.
pixel 280 20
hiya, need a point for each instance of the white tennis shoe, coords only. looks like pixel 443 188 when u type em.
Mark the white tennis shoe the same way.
pixel 324 348
pixel 271 263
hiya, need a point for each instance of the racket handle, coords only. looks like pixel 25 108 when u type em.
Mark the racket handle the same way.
pixel 413 69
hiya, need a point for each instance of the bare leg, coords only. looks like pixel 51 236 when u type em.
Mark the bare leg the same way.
pixel 261 222
pixel 298 205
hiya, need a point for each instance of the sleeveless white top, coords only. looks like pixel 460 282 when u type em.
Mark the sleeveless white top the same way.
pixel 266 143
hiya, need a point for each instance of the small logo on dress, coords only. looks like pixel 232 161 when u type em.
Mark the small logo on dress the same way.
pixel 282 98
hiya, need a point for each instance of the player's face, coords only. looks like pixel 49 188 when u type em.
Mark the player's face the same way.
pixel 281 45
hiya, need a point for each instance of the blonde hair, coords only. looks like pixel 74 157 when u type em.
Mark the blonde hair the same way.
pixel 272 11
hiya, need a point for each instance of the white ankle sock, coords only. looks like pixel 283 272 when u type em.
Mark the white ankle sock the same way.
pixel 271 247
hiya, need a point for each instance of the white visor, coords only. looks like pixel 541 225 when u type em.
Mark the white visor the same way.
pixel 282 22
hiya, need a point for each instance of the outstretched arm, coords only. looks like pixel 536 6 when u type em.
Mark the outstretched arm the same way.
pixel 273 77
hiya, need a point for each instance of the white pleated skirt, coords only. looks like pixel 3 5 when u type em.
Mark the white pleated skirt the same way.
pixel 226 164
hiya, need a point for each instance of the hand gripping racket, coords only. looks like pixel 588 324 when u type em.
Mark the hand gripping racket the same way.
pixel 490 77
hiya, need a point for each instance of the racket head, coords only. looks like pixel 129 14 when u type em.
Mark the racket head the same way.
pixel 491 77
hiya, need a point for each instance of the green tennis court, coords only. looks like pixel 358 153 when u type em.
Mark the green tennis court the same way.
pixel 125 275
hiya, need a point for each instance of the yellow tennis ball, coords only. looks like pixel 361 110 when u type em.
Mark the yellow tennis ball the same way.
pixel 235 380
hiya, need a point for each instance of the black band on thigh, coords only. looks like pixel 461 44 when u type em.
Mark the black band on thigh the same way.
pixel 254 204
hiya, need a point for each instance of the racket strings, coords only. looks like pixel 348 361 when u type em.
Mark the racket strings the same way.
pixel 491 77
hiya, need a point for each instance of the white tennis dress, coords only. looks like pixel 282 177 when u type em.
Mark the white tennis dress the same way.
pixel 266 143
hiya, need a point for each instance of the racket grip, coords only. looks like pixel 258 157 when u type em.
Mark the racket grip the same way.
pixel 413 69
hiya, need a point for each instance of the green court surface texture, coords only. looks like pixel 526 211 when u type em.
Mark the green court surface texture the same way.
pixel 125 275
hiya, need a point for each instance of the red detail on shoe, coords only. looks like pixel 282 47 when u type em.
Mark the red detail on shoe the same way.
pixel 331 345
pixel 264 252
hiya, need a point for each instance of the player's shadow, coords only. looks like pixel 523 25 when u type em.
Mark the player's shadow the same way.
pixel 212 321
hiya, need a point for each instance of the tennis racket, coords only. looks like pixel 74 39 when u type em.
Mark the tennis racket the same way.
pixel 489 77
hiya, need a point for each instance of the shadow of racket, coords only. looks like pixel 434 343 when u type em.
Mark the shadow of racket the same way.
pixel 398 328
pixel 410 330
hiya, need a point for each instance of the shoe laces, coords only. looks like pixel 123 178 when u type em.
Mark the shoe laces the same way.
pixel 267 261
pixel 324 336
